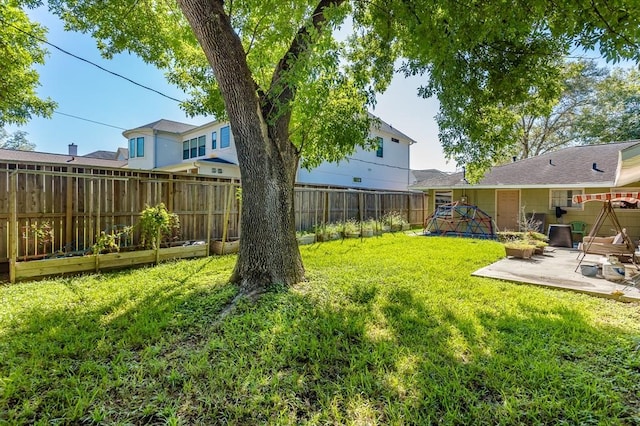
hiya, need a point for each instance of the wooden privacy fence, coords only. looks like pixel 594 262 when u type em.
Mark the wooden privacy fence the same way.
pixel 318 205
pixel 55 209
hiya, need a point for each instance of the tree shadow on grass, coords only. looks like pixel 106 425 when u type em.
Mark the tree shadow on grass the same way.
pixel 365 354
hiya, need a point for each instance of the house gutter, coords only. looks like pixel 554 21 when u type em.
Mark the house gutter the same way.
pixel 549 186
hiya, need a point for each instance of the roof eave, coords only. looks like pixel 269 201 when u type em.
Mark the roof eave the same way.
pixel 549 186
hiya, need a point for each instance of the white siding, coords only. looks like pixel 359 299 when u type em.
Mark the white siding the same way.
pixel 146 162
pixel 228 154
pixel 389 172
pixel 363 169
pixel 168 148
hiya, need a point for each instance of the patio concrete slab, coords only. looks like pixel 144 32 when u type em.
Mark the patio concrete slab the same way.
pixel 556 269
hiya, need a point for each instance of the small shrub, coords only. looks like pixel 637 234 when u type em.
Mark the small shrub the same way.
pixel 156 221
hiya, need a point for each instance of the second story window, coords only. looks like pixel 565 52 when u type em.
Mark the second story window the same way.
pixel 225 137
pixel 194 147
pixel 140 147
pixel 214 140
pixel 193 144
pixel 380 150
pixel 201 146
pixel 136 147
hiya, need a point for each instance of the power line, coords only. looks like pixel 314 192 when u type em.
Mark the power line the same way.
pixel 88 61
pixel 91 121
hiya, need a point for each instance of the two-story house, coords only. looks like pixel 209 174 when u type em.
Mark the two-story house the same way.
pixel 209 149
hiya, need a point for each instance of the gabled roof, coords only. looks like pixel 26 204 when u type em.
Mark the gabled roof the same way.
pixel 388 128
pixel 428 174
pixel 163 125
pixel 585 165
pixel 45 157
pixel 122 154
pixel 178 128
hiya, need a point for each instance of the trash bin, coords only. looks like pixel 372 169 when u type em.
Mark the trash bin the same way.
pixel 560 235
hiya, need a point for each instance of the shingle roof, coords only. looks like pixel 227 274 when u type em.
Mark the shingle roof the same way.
pixel 588 165
pixel 168 126
pixel 44 157
pixel 428 174
pixel 104 155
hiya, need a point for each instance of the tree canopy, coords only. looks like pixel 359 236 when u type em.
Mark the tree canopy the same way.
pixel 20 49
pixel 483 59
pixel 17 141
pixel 595 105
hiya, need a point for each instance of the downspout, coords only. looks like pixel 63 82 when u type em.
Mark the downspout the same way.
pixel 409 164
pixel 155 148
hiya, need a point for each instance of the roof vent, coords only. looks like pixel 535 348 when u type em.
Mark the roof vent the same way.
pixel 551 162
pixel 514 158
pixel 594 167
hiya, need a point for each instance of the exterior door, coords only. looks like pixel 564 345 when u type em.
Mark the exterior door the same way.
pixel 508 209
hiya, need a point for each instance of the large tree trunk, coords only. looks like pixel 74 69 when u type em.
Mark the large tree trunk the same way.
pixel 269 253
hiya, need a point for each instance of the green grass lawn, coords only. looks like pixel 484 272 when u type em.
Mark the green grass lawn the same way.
pixel 389 330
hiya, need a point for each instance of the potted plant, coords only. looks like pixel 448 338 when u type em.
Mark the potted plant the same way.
pixel 350 229
pixel 519 248
pixel 368 228
pixel 538 239
pixel 394 221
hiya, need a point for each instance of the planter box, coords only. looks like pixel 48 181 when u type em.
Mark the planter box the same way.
pixel 522 253
pixel 228 247
pixel 306 239
pixel 366 233
pixel 90 263
pixel 352 234
pixel 328 236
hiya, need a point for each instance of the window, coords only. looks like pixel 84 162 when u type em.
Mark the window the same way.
pixel 379 151
pixel 140 147
pixel 193 144
pixel 202 148
pixel 564 198
pixel 225 137
pixel 214 140
pixel 136 147
pixel 194 147
pixel 185 150
pixel 441 198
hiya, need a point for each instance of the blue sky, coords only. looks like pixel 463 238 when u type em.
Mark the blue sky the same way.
pixel 82 90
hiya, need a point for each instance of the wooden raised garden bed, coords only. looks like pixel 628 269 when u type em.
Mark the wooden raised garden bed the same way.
pixel 95 263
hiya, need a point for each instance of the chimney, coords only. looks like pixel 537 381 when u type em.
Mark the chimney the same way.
pixel 73 149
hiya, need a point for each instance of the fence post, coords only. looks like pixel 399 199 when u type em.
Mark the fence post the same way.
pixel 13 225
pixel 209 217
pixel 170 193
pixel 68 233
